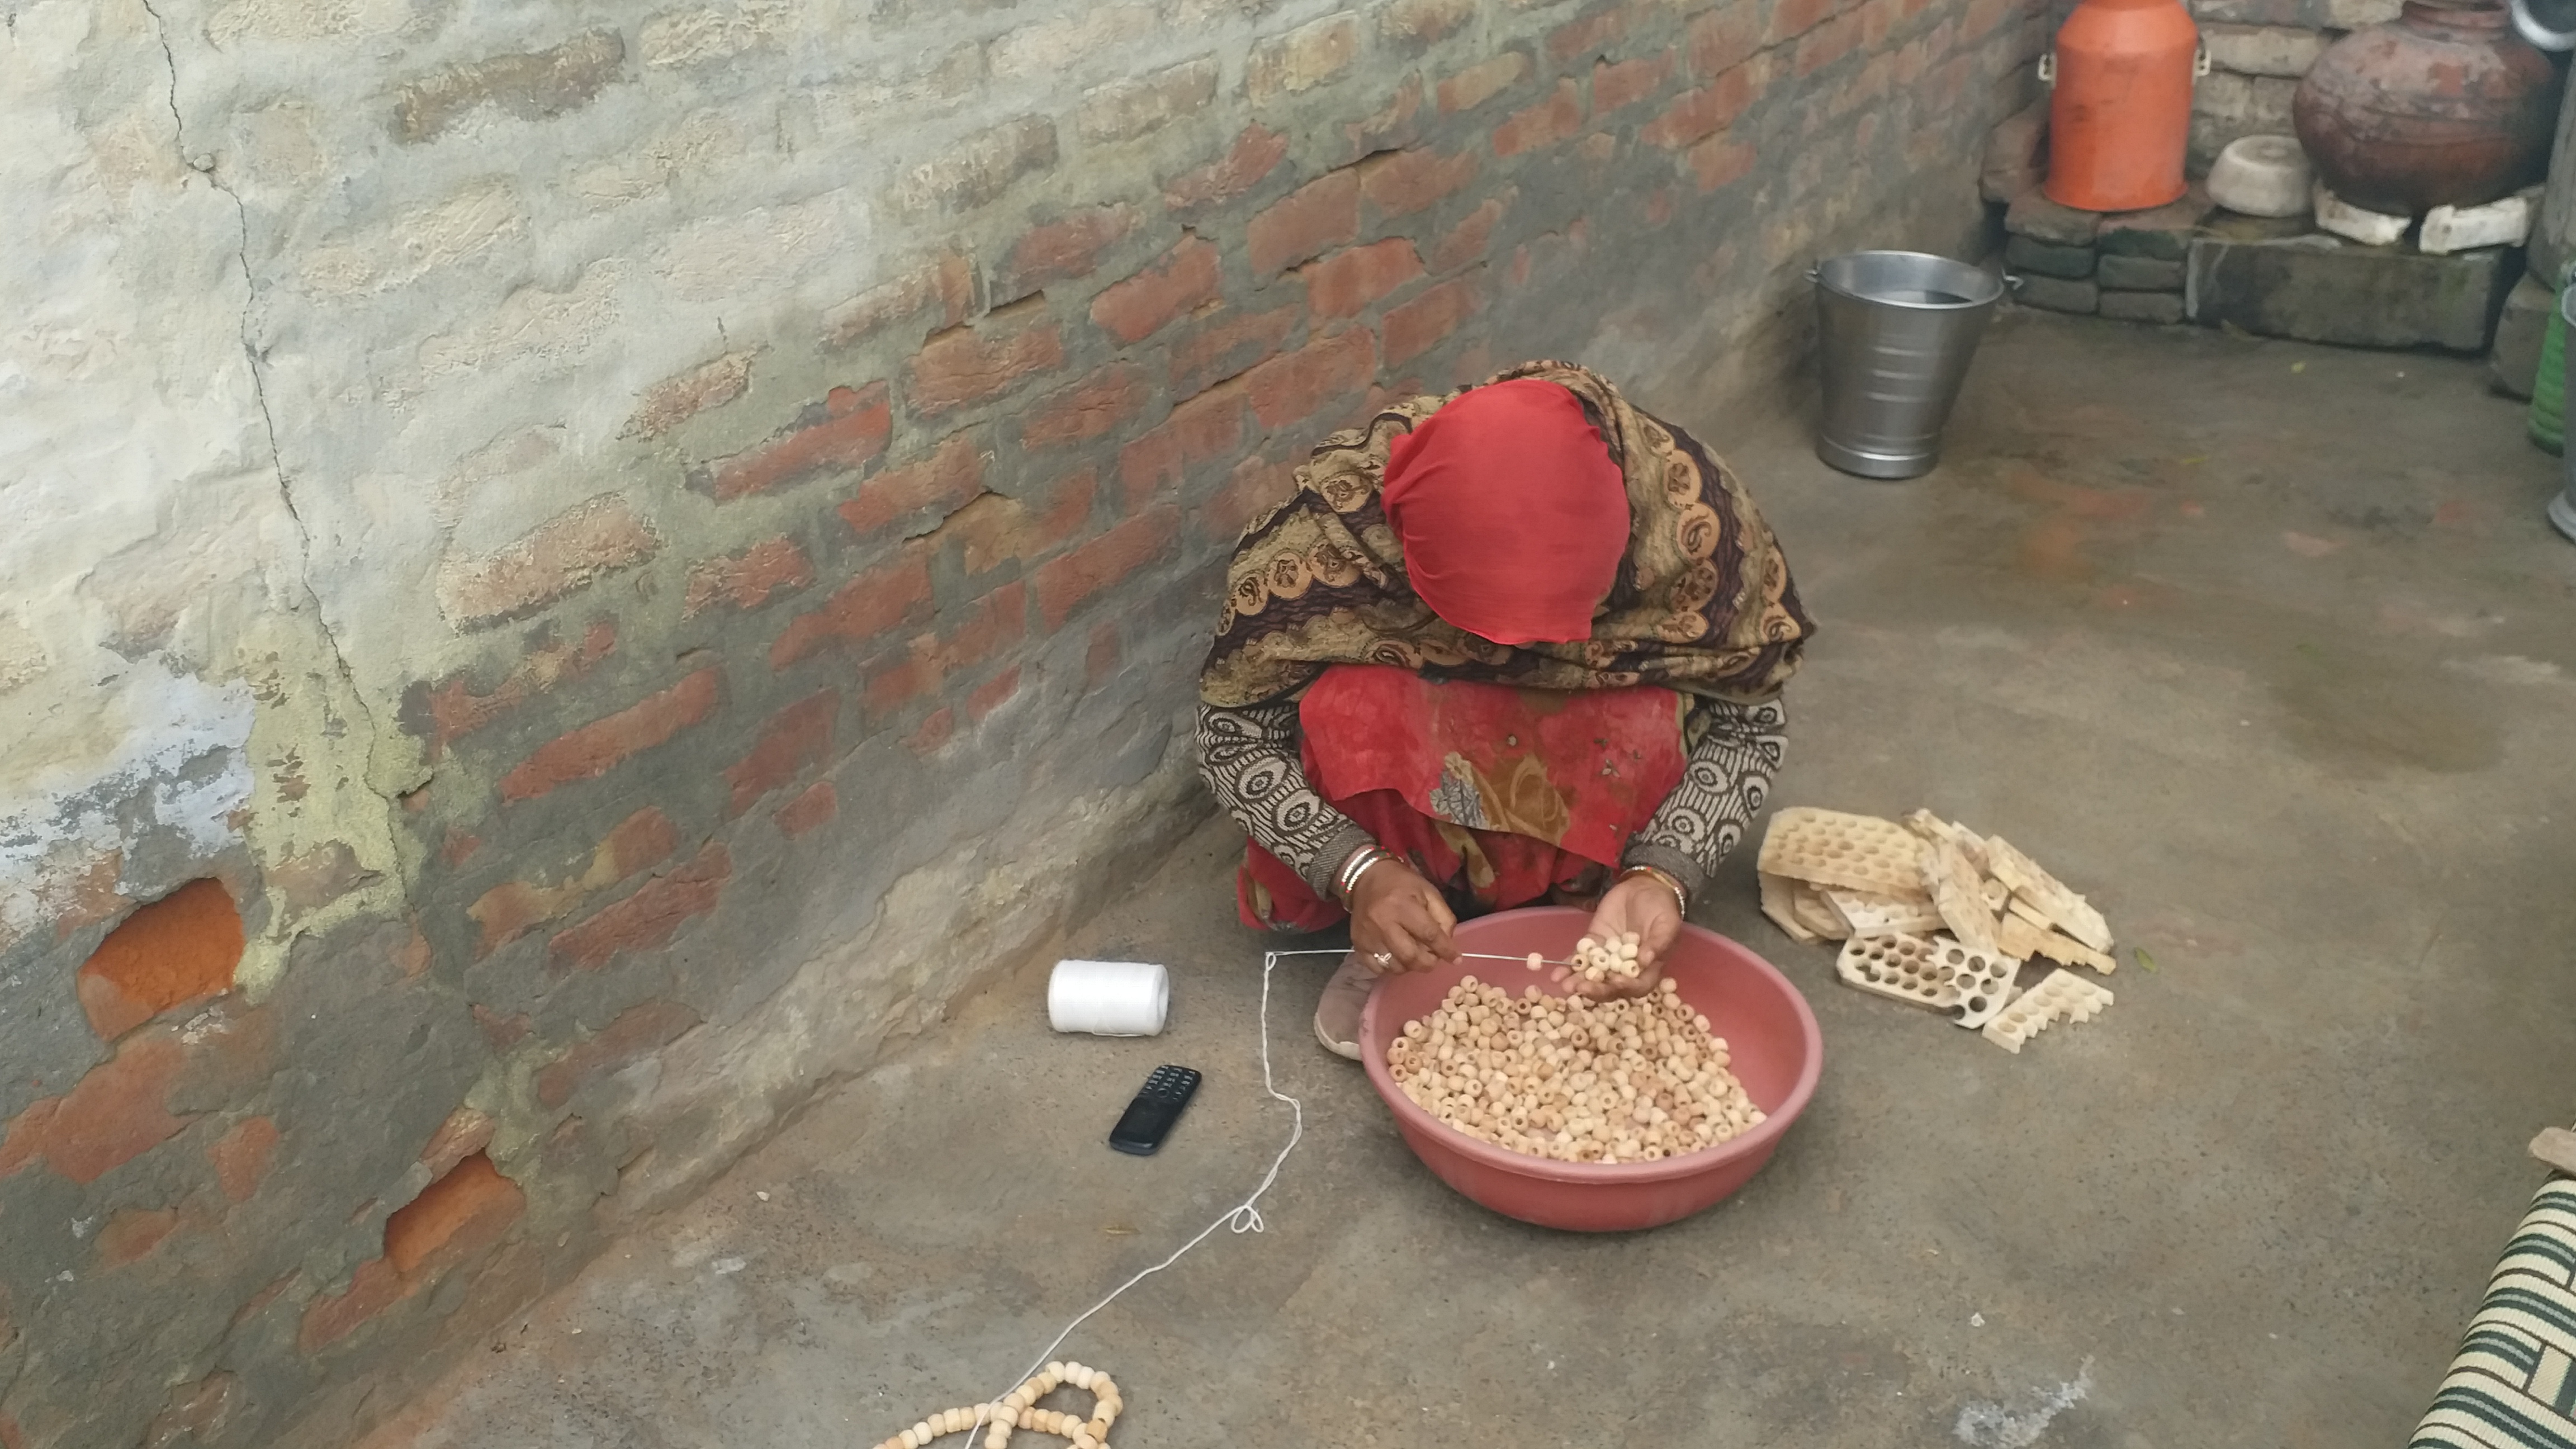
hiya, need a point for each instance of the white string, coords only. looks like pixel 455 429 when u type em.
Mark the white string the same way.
pixel 1243 1217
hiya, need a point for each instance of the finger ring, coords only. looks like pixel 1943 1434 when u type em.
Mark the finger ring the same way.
pixel 1381 957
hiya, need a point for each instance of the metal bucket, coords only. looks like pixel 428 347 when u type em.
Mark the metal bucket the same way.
pixel 1898 330
pixel 2562 509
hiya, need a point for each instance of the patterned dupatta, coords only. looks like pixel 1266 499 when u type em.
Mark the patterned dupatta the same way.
pixel 1702 604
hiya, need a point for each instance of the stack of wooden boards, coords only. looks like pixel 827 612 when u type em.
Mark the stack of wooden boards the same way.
pixel 1933 914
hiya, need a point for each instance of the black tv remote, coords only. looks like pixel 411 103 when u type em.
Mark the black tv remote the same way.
pixel 1149 1118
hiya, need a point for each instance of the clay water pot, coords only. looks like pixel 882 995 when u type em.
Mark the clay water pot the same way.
pixel 2443 106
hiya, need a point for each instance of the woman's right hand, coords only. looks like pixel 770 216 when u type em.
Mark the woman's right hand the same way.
pixel 1397 915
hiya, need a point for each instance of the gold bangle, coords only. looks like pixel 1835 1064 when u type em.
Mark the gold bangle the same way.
pixel 1665 878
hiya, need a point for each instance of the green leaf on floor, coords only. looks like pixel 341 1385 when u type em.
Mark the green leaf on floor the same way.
pixel 2145 960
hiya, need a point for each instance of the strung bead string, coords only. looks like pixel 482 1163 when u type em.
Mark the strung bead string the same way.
pixel 1011 1411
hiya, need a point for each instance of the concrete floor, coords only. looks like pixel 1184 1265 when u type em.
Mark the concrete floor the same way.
pixel 2265 646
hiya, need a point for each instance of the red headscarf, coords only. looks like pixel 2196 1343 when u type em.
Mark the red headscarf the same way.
pixel 1512 515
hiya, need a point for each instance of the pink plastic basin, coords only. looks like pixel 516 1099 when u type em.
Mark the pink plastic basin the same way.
pixel 1771 1035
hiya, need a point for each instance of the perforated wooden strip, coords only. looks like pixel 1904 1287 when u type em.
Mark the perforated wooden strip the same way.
pixel 1873 914
pixel 1779 895
pixel 1828 847
pixel 2021 938
pixel 1932 827
pixel 2062 996
pixel 1959 893
pixel 2065 909
pixel 1934 972
pixel 1818 914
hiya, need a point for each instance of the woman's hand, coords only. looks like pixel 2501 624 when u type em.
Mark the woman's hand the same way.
pixel 1641 904
pixel 1398 920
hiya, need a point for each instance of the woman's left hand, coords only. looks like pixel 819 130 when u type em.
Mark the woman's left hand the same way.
pixel 1646 906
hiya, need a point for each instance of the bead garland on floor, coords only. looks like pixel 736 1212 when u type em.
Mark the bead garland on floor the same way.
pixel 1018 1410
pixel 1636 1079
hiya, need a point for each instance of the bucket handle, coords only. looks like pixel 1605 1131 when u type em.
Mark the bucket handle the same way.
pixel 2048 67
pixel 2200 61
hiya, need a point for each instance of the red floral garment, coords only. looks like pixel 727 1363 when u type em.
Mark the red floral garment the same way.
pixel 1498 795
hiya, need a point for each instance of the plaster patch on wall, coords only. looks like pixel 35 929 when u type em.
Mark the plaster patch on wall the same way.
pixel 179 763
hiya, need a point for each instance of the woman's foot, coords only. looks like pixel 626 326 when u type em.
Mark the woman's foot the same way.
pixel 1337 1015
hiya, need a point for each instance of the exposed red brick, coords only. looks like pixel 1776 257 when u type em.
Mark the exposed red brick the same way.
pixel 453 1219
pixel 1698 114
pixel 131 1233
pixel 231 1048
pixel 1721 39
pixel 1181 279
pixel 451 710
pixel 372 1289
pixel 1322 214
pixel 1828 43
pixel 1224 343
pixel 934 732
pixel 1480 83
pixel 1098 404
pixel 945 288
pixel 995 530
pixel 466 1131
pixel 747 580
pixel 813 808
pixel 1392 124
pixel 1718 161
pixel 1424 21
pixel 1615 87
pixel 1292 387
pixel 796 738
pixel 859 611
pixel 1254 155
pixel 969 364
pixel 1589 32
pixel 1302 59
pixel 1466 242
pixel 1398 183
pixel 843 432
pixel 651 916
pixel 636 1032
pixel 999 619
pixel 669 403
pixel 1421 324
pixel 1101 659
pixel 1793 18
pixel 1207 427
pixel 240 1157
pixel 1544 124
pixel 180 948
pixel 943 482
pixel 993 693
pixel 600 746
pixel 509 910
pixel 1256 484
pixel 1066 581
pixel 458 847
pixel 112 1115
pixel 560 556
pixel 1345 283
pixel 1070 247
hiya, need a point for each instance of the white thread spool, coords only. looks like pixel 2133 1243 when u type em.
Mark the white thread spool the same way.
pixel 1109 998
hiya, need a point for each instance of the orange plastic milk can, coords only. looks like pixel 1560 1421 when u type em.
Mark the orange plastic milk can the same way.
pixel 2119 117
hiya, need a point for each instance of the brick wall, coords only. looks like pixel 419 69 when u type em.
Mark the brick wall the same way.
pixel 583 572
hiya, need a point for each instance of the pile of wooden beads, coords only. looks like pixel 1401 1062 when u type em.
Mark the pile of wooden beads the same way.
pixel 1598 961
pixel 1018 1410
pixel 1576 1080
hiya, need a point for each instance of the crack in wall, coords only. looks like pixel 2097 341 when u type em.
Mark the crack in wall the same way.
pixel 259 397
